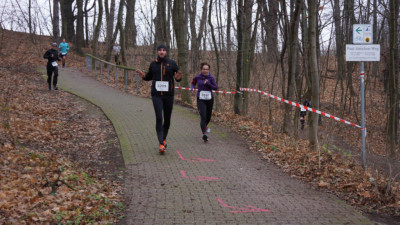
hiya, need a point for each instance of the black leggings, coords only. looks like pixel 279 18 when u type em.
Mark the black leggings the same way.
pixel 205 108
pixel 50 70
pixel 162 104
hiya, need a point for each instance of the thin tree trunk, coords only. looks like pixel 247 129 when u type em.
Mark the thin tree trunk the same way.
pixel 215 47
pixel 161 25
pixel 79 41
pixel 97 29
pixel 312 14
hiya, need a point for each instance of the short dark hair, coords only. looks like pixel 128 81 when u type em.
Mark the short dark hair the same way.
pixel 204 64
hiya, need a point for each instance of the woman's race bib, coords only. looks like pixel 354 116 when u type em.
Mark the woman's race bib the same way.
pixel 302 108
pixel 205 95
pixel 54 64
pixel 162 85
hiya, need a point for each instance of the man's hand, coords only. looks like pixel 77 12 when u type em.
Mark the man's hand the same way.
pixel 178 75
pixel 140 73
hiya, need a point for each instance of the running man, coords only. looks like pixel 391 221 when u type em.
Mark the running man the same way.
pixel 52 66
pixel 205 97
pixel 64 47
pixel 162 72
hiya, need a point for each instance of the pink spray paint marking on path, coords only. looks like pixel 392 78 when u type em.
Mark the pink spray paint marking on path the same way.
pixel 249 208
pixel 199 178
pixel 195 159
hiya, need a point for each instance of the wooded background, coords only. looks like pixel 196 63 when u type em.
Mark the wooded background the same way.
pixel 293 49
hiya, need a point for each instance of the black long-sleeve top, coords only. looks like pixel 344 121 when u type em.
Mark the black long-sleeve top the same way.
pixel 162 70
pixel 50 58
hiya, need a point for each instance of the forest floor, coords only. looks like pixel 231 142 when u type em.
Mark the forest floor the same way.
pixel 51 133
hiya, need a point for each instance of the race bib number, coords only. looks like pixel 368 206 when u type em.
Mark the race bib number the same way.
pixel 302 109
pixel 54 64
pixel 63 53
pixel 162 85
pixel 205 95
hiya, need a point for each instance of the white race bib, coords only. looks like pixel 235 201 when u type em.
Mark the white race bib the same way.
pixel 205 95
pixel 302 109
pixel 54 64
pixel 162 85
pixel 63 53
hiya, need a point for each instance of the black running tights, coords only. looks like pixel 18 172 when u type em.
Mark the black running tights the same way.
pixel 163 104
pixel 205 108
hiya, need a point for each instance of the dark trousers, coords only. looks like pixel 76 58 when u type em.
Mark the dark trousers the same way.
pixel 116 59
pixel 163 104
pixel 205 108
pixel 50 70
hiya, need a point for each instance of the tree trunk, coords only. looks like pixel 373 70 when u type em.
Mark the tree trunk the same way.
pixel 130 24
pixel 67 17
pixel 56 21
pixel 161 25
pixel 228 26
pixel 215 47
pixel 79 41
pixel 97 29
pixel 393 117
pixel 196 38
pixel 312 15
pixel 122 32
pixel 292 62
pixel 244 54
pixel 180 27
pixel 110 16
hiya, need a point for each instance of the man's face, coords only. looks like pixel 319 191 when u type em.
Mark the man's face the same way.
pixel 63 39
pixel 162 52
pixel 53 46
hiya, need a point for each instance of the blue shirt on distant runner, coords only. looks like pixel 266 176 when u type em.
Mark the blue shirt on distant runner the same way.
pixel 64 47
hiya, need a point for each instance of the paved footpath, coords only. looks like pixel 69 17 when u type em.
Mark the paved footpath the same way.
pixel 219 182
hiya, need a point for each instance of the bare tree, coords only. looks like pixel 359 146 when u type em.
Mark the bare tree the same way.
pixel 196 37
pixel 79 40
pixel 56 20
pixel 313 64
pixel 293 43
pixel 244 54
pixel 161 24
pixel 130 24
pixel 393 117
pixel 180 27
pixel 67 18
pixel 110 11
pixel 96 34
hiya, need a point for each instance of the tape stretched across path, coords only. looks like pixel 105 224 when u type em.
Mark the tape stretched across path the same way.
pixel 285 101
pixel 301 106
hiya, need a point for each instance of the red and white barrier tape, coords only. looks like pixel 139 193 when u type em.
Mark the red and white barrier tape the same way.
pixel 223 92
pixel 301 106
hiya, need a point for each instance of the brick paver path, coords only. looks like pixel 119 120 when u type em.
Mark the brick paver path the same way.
pixel 219 182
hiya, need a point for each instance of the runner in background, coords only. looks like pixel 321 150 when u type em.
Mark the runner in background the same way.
pixel 52 67
pixel 117 50
pixel 303 113
pixel 64 47
pixel 205 97
pixel 162 72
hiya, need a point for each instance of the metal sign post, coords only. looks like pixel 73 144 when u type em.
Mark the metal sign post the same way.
pixel 363 51
pixel 363 129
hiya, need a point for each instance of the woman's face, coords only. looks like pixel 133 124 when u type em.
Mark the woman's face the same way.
pixel 205 70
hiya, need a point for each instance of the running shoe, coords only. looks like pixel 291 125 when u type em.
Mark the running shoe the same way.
pixel 162 149
pixel 208 130
pixel 205 138
pixel 165 143
pixel 55 88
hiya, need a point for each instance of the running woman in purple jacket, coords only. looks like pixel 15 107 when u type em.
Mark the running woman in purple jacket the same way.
pixel 205 97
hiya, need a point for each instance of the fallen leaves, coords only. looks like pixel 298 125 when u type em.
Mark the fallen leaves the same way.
pixel 46 139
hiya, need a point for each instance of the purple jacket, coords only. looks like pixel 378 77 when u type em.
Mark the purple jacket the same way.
pixel 209 86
